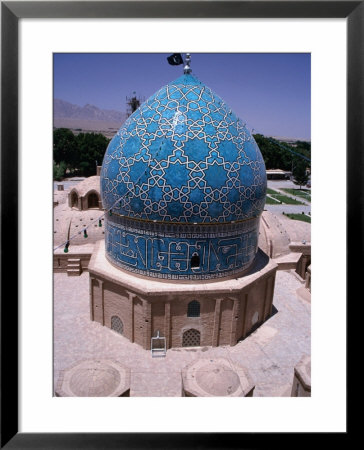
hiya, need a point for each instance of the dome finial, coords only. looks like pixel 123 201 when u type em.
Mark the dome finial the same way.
pixel 187 68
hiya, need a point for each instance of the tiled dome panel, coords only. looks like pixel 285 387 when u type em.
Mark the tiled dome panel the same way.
pixel 184 156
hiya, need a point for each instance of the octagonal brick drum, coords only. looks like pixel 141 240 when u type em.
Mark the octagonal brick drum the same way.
pixel 185 184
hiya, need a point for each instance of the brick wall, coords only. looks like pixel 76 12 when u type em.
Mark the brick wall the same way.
pixel 117 303
pixel 138 320
pixel 96 297
pixel 223 320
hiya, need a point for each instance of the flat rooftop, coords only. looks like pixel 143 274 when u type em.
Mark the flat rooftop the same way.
pixel 270 353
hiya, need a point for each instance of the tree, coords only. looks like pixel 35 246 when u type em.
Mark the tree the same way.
pixel 299 172
pixel 278 155
pixel 275 157
pixel 78 153
pixel 65 148
pixel 59 170
pixel 91 148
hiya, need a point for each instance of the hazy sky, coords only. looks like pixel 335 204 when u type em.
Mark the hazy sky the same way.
pixel 270 91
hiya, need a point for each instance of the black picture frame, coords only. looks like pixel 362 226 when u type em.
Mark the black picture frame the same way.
pixel 11 12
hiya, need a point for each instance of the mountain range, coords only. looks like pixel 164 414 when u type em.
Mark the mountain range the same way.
pixel 63 109
pixel 90 118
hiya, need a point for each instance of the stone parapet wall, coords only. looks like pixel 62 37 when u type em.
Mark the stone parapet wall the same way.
pixel 60 260
pixel 308 278
pixel 301 386
pixel 299 247
pixel 305 260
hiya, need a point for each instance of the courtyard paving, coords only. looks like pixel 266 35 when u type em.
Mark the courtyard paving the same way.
pixel 270 353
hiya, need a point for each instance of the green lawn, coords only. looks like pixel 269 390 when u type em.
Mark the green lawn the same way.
pixel 301 217
pixel 287 200
pixel 271 191
pixel 270 201
pixel 305 193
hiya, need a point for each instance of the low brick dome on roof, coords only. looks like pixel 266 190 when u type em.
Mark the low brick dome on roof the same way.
pixel 216 377
pixel 87 185
pixel 94 378
pixel 277 232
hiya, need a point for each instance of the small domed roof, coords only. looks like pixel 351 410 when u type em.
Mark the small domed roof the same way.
pixel 85 186
pixel 217 380
pixel 277 232
pixel 93 382
pixel 94 378
pixel 216 377
pixel 184 156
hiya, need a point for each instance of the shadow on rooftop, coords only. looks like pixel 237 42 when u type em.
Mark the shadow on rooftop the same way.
pixel 258 324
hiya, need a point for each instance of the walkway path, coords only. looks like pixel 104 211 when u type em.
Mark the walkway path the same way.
pixel 279 185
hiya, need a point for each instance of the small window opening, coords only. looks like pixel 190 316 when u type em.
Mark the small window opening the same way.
pixel 193 309
pixel 195 261
pixel 117 324
pixel 191 338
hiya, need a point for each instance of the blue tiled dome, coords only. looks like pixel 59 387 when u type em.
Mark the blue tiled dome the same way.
pixel 186 183
pixel 184 156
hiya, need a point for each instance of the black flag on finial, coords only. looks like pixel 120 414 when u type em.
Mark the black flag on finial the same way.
pixel 175 59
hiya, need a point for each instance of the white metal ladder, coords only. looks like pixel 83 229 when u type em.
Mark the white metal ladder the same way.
pixel 158 350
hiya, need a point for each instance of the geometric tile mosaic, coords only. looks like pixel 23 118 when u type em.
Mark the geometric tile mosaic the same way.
pixel 182 160
pixel 184 156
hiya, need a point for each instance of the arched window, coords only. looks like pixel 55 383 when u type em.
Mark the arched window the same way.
pixel 74 200
pixel 193 309
pixel 117 324
pixel 191 338
pixel 195 261
pixel 93 200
